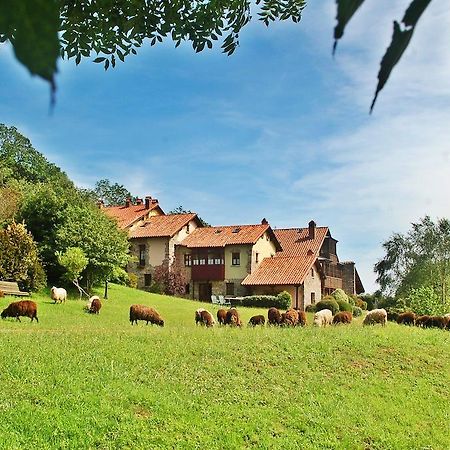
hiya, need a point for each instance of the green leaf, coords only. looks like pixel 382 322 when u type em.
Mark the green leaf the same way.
pixel 99 59
pixel 345 11
pixel 414 11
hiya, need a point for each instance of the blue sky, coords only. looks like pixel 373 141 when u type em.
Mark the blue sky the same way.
pixel 278 130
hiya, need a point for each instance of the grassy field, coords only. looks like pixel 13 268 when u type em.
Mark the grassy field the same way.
pixel 80 381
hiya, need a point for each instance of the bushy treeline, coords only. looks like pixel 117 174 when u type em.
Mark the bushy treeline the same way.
pixel 58 216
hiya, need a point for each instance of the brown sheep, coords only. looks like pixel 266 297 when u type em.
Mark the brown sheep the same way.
pixel 95 307
pixel 1 293
pixel 289 318
pixel 206 318
pixel 422 320
pixel 25 308
pixel 436 322
pixel 344 317
pixel 301 318
pixel 273 316
pixel 257 320
pixel 142 312
pixel 198 316
pixel 406 318
pixel 221 316
pixel 233 318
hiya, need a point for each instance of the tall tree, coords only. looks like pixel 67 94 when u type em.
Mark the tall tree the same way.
pixel 180 210
pixel 111 194
pixel 420 257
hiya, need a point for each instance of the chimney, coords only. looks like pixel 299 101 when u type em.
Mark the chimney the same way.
pixel 312 229
pixel 154 201
pixel 148 200
pixel 139 201
pixel 128 202
pixel 264 221
pixel 100 204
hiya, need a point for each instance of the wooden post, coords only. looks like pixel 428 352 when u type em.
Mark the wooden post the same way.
pixel 106 290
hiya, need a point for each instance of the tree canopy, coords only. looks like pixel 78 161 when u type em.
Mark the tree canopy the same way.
pixel 109 31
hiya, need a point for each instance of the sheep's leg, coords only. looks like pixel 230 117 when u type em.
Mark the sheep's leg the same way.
pixel 17 317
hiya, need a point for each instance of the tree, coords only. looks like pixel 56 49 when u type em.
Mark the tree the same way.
pixel 181 210
pixel 421 257
pixel 74 262
pixel 170 278
pixel 42 31
pixel 9 203
pixel 104 245
pixel 111 194
pixel 19 259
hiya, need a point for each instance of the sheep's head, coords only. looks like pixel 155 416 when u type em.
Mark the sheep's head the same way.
pixel 4 313
pixel 161 323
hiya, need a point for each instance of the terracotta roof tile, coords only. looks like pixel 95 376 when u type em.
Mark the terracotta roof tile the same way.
pixel 226 235
pixel 296 241
pixel 279 270
pixel 161 226
pixel 127 215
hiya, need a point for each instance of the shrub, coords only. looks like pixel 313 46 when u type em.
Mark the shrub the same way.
pixel 285 299
pixel 339 294
pixel 328 302
pixel 344 306
pixel 357 311
pixel 262 301
pixel 120 276
pixel 361 304
pixel 424 300
pixel 352 299
pixel 311 308
pixel 132 280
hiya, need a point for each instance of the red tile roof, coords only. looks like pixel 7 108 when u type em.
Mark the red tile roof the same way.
pixel 227 235
pixel 127 215
pixel 296 241
pixel 161 226
pixel 280 270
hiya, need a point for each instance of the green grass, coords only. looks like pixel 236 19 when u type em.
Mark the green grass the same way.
pixel 80 381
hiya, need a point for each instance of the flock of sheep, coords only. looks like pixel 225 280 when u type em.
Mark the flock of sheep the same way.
pixel 291 318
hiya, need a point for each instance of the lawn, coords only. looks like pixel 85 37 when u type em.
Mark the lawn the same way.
pixel 76 380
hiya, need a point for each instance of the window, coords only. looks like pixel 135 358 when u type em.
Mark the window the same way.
pixel 312 272
pixel 142 255
pixel 235 259
pixel 230 289
pixel 256 257
pixel 187 228
pixel 313 298
pixel 202 260
pixel 147 279
pixel 187 260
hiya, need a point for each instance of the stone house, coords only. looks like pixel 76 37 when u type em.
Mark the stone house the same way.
pixel 217 259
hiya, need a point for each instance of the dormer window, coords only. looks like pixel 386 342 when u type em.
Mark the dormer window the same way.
pixel 236 230
pixel 187 228
pixel 256 257
pixel 142 255
pixel 312 272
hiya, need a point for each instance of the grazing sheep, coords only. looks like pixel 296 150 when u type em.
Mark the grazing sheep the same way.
pixel 344 317
pixel 301 318
pixel 376 316
pixel 89 302
pixel 95 307
pixel 257 320
pixel 421 321
pixel 323 318
pixel 233 318
pixel 273 316
pixel 289 318
pixel 58 294
pixel 142 312
pixel 221 316
pixel 198 315
pixel 25 308
pixel 406 318
pixel 436 322
pixel 2 294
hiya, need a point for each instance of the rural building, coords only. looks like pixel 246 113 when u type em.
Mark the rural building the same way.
pixel 217 259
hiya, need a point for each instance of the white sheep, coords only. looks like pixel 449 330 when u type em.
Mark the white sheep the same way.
pixel 89 302
pixel 323 318
pixel 58 294
pixel 376 316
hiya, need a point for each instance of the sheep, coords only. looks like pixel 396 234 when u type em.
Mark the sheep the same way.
pixel 221 316
pixel 58 294
pixel 273 316
pixel 204 317
pixel 301 318
pixel 96 305
pixel 25 308
pixel 257 320
pixel 343 317
pixel 406 318
pixel 436 322
pixel 198 315
pixel 376 316
pixel 421 321
pixel 142 312
pixel 233 318
pixel 323 318
pixel 289 318
pixel 89 302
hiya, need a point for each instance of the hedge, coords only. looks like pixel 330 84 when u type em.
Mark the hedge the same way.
pixel 328 303
pixel 281 301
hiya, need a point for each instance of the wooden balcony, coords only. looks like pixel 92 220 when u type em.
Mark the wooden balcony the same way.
pixel 333 283
pixel 213 272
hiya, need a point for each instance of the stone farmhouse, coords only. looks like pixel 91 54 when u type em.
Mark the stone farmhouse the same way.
pixel 234 260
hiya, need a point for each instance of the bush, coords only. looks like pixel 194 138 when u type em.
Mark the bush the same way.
pixel 328 302
pixel 120 276
pixel 262 301
pixel 344 306
pixel 352 299
pixel 311 308
pixel 361 304
pixel 357 311
pixel 339 294
pixel 285 299
pixel 132 280
pixel 424 300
